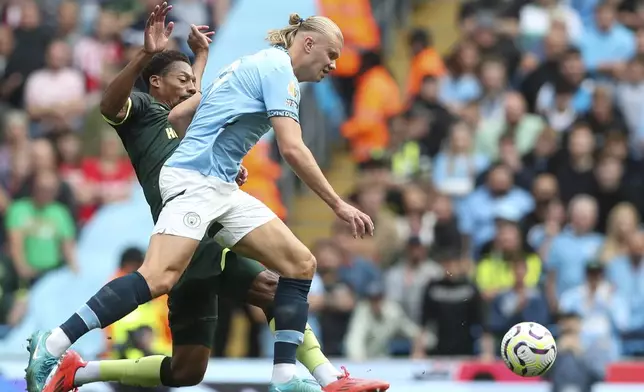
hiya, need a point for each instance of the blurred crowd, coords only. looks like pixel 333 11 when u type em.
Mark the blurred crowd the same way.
pixel 505 177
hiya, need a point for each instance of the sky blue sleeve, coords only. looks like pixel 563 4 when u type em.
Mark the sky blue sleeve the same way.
pixel 281 94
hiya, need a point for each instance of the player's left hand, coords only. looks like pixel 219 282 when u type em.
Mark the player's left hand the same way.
pixel 199 38
pixel 242 176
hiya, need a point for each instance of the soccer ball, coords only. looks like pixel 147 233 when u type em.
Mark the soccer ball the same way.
pixel 528 349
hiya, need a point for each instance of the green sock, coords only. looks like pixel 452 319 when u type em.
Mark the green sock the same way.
pixel 142 372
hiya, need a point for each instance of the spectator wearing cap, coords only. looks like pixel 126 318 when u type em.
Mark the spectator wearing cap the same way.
pixel 477 212
pixel 494 271
pixel 523 127
pixel 518 303
pixel 604 315
pixel 406 280
pixel 573 248
pixel 375 322
pixel 606 44
pixel 626 274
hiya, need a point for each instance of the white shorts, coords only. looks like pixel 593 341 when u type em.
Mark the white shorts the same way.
pixel 194 203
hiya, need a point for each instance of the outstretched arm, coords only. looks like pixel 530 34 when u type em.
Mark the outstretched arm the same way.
pixel 115 104
pixel 181 115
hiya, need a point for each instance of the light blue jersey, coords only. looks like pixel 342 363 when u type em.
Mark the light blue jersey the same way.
pixel 235 111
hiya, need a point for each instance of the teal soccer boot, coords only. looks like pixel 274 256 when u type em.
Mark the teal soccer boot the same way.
pixel 41 362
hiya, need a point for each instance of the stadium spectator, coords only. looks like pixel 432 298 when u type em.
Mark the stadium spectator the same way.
pixel 573 248
pixel 108 176
pixel 407 278
pixel 623 220
pixel 477 212
pixel 607 45
pixel 610 189
pixel 339 299
pixel 375 322
pixel 517 303
pixel 494 271
pixel 55 95
pixel 458 165
pixel 371 199
pixel 604 315
pixel 523 127
pixel 425 106
pixel 376 100
pixel 452 309
pixel 31 40
pixel 425 61
pixel 571 70
pixel 574 167
pixel 626 274
pixel 446 234
pixel 41 231
pixel 460 84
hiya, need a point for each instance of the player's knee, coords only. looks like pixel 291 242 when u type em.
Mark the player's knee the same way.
pixel 188 375
pixel 302 267
pixel 161 281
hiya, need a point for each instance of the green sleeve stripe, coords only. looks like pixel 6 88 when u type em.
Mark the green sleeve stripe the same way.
pixel 127 114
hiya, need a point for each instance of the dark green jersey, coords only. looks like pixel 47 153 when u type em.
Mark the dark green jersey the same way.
pixel 149 141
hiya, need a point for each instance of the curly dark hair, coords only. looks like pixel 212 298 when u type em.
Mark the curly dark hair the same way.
pixel 161 63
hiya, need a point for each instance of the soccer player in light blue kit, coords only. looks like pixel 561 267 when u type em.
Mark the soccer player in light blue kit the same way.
pixel 201 197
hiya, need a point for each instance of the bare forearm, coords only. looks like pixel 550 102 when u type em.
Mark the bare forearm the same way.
pixel 198 68
pixel 117 93
pixel 307 169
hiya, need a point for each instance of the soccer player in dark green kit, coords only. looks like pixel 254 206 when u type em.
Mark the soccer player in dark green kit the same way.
pixel 150 127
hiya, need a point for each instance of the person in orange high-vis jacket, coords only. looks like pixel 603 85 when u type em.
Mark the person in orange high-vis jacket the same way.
pixel 264 173
pixel 426 61
pixel 360 30
pixel 377 99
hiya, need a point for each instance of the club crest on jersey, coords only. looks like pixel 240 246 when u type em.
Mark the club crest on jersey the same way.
pixel 293 90
pixel 192 220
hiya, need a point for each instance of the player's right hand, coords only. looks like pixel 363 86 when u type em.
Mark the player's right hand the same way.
pixel 199 39
pixel 360 222
pixel 157 34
